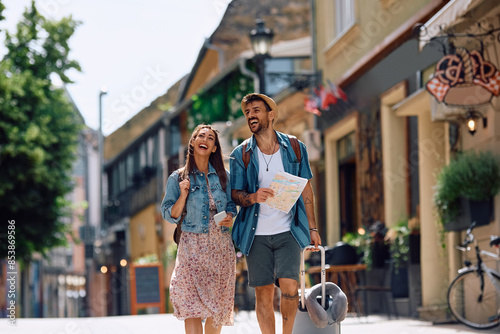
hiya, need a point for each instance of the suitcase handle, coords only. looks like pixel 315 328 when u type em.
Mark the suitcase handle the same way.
pixel 303 276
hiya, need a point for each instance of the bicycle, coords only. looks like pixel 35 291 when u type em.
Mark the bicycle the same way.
pixel 474 295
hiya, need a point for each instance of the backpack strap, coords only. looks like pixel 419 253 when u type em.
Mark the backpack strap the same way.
pixel 296 147
pixel 293 141
pixel 245 155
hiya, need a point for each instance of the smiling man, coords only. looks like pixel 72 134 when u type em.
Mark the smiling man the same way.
pixel 271 239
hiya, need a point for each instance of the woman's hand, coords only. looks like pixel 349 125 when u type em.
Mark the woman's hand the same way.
pixel 227 221
pixel 178 206
pixel 184 185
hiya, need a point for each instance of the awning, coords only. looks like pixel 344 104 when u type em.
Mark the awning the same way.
pixel 445 18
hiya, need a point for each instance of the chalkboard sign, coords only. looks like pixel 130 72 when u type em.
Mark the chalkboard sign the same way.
pixel 147 285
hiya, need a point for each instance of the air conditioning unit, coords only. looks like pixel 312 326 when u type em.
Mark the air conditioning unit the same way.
pixel 312 140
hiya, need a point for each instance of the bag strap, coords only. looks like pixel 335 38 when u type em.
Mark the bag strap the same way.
pixel 293 141
pixel 246 155
pixel 296 147
pixel 184 211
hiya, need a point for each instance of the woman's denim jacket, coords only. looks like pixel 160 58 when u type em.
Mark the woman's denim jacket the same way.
pixel 197 206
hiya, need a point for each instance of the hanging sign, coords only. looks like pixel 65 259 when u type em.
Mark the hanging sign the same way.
pixel 464 79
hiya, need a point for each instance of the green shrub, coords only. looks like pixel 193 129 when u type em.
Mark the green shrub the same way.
pixel 472 175
pixel 399 236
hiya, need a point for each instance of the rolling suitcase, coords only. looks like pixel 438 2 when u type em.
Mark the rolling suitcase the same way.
pixel 303 323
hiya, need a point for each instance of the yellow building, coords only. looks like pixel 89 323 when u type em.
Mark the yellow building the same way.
pixel 385 145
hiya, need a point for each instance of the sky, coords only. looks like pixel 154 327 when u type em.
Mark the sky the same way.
pixel 133 49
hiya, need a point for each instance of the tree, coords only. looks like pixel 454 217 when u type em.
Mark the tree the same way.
pixel 39 130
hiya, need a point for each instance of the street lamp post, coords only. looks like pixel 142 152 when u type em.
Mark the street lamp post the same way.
pixel 261 39
pixel 102 92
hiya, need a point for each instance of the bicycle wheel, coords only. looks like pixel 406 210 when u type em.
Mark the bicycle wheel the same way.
pixel 475 307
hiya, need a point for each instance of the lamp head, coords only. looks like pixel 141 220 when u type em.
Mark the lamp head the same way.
pixel 472 117
pixel 471 124
pixel 261 38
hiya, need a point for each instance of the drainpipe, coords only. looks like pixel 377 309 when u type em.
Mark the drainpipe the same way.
pixel 248 73
pixel 219 51
pixel 313 37
pixel 314 63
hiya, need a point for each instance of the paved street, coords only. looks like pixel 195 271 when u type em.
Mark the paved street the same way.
pixel 245 323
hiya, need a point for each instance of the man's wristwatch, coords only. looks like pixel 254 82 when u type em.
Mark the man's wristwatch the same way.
pixel 313 229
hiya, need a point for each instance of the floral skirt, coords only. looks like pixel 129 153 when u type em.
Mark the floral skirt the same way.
pixel 203 280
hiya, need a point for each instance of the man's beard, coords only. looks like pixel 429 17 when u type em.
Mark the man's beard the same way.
pixel 260 128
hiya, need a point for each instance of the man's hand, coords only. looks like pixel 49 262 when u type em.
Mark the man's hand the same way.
pixel 262 194
pixel 244 199
pixel 315 240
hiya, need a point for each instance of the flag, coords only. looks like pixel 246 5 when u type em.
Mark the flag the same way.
pixel 320 94
pixel 325 96
pixel 328 99
pixel 311 105
pixel 337 91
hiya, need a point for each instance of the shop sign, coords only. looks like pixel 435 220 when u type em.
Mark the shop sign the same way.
pixel 464 79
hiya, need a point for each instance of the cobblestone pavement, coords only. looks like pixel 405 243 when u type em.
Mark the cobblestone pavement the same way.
pixel 245 323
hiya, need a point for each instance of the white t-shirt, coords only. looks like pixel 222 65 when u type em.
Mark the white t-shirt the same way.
pixel 271 221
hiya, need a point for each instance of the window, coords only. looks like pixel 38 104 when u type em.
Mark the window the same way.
pixel 122 176
pixel 175 140
pixel 143 155
pixel 150 148
pixel 130 170
pixel 345 147
pixel 115 182
pixel 156 149
pixel 344 16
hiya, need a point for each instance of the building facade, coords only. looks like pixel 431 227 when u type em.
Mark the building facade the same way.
pixel 381 159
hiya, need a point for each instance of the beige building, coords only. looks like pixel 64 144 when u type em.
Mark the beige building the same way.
pixel 397 136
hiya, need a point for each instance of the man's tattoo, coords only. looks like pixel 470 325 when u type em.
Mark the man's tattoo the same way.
pixel 308 201
pixel 242 198
pixel 290 297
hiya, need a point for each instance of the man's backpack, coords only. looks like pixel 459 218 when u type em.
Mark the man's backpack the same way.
pixel 293 140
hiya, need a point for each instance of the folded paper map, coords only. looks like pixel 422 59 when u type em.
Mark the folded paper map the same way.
pixel 287 189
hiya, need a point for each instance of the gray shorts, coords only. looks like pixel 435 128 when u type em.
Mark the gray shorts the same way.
pixel 272 257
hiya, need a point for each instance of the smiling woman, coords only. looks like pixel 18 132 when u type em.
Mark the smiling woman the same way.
pixel 202 285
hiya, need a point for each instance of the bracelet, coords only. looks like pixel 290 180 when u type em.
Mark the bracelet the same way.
pixel 313 229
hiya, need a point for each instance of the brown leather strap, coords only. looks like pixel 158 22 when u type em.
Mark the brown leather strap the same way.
pixel 296 147
pixel 178 229
pixel 246 155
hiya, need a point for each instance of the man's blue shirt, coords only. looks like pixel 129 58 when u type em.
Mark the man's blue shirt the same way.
pixel 241 179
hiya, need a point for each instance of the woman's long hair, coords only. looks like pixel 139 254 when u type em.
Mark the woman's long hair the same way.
pixel 215 158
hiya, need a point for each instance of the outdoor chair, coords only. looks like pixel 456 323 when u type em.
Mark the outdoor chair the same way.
pixel 382 288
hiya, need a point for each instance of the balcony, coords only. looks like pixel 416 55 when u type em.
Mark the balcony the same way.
pixel 146 190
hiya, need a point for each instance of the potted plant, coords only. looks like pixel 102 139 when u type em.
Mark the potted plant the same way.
pixel 371 245
pixel 465 189
pixel 398 237
pixel 361 242
pixel 399 243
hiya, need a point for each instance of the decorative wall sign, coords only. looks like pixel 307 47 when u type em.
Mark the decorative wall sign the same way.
pixel 464 79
